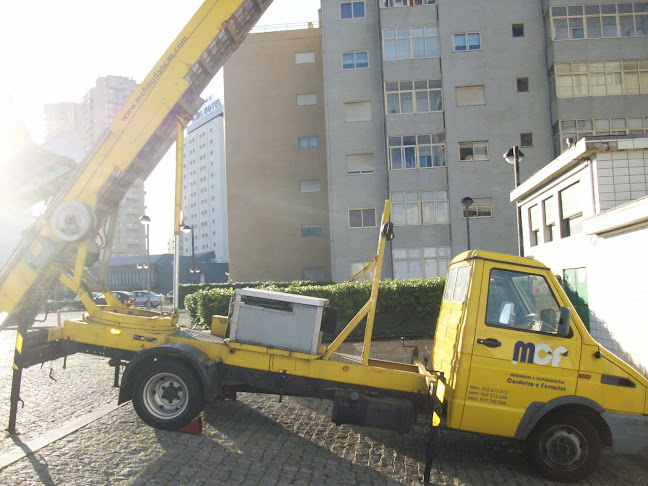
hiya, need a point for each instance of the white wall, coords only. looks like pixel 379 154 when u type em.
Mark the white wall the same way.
pixel 618 294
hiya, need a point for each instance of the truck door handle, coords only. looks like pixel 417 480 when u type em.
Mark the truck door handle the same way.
pixel 489 342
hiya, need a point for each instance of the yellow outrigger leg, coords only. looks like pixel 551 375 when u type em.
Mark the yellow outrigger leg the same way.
pixel 369 309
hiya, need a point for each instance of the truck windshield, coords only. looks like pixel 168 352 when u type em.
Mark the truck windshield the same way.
pixel 522 301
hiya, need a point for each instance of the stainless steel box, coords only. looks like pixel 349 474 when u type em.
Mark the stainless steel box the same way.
pixel 277 320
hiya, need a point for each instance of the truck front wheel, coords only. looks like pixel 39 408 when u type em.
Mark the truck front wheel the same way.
pixel 167 394
pixel 565 447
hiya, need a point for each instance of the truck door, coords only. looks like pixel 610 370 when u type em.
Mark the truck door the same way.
pixel 518 358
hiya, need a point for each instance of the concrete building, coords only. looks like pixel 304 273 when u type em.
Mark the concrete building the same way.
pixel 204 199
pixel 597 64
pixel 585 215
pixel 63 129
pixel 74 130
pixel 100 105
pixel 420 102
pixel 277 199
pixel 171 246
pixel 426 99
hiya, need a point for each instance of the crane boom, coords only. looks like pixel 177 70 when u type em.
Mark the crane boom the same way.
pixel 66 239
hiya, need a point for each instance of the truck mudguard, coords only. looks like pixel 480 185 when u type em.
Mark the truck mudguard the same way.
pixel 537 410
pixel 205 367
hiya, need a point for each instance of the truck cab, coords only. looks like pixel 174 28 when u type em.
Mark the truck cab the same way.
pixel 518 362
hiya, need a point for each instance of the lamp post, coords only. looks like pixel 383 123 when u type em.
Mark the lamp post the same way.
pixel 514 156
pixel 193 270
pixel 467 202
pixel 146 221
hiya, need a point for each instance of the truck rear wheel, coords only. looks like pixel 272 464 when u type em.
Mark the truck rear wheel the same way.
pixel 565 447
pixel 167 394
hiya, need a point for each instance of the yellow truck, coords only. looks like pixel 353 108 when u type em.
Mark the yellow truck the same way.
pixel 515 360
pixel 511 357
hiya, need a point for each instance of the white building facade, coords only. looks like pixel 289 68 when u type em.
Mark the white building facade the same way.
pixel 204 185
pixel 585 215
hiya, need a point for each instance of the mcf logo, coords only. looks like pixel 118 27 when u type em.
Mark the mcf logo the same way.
pixel 540 354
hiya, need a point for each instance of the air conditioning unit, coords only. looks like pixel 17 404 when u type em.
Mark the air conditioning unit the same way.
pixel 280 320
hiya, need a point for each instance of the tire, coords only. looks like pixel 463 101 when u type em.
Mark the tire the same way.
pixel 167 394
pixel 565 447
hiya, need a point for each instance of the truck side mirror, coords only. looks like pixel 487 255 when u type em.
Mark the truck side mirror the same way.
pixel 563 322
pixel 507 313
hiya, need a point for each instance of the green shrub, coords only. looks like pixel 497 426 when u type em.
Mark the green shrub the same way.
pixel 63 305
pixel 405 307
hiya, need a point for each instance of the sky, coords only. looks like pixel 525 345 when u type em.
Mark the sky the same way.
pixel 54 51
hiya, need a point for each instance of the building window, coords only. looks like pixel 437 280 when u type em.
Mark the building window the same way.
pixel 481 208
pixel 306 99
pixel 357 111
pixel 599 78
pixel 411 43
pixel 577 129
pixel 352 10
pixel 307 142
pixel 571 210
pixel 469 151
pixel 416 152
pixel 405 3
pixel 310 186
pixel 360 164
pixel 355 60
pixel 522 85
pixel 599 21
pixel 470 95
pixel 311 230
pixel 419 207
pixel 427 262
pixel 467 41
pixel 362 218
pixel 549 219
pixel 304 57
pixel 357 267
pixel 518 30
pixel 413 96
pixel 534 225
pixel 526 139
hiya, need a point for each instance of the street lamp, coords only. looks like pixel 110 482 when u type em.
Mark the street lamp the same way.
pixel 146 221
pixel 193 270
pixel 467 202
pixel 514 156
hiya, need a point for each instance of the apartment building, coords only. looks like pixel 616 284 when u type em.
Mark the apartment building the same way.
pixel 422 98
pixel 74 130
pixel 277 186
pixel 427 99
pixel 204 188
pixel 63 125
pixel 597 65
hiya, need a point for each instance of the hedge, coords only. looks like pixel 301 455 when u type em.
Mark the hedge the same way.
pixel 406 308
pixel 63 305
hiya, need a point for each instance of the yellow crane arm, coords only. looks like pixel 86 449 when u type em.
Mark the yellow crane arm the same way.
pixel 64 241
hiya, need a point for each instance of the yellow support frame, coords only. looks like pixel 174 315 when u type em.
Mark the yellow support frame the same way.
pixel 117 327
pixel 369 309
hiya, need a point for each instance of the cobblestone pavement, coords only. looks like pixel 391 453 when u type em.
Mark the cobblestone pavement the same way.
pixel 251 441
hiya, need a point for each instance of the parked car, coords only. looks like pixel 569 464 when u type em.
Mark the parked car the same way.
pixel 126 298
pixel 76 304
pixel 141 297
